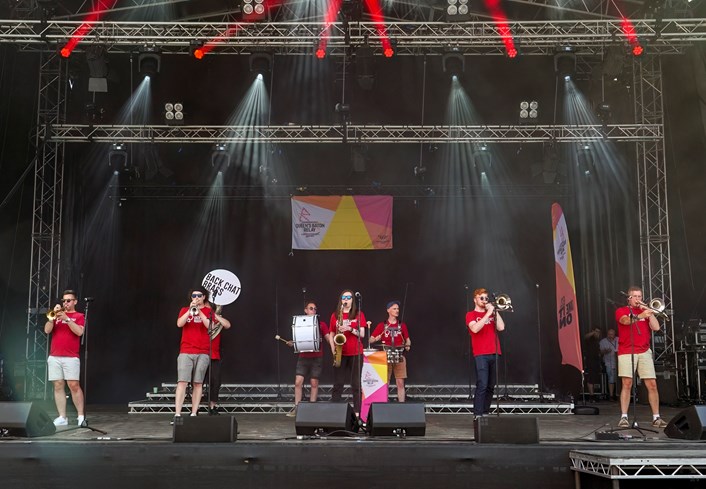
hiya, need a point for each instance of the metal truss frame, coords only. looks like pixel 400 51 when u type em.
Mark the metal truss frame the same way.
pixel 656 270
pixel 368 134
pixel 642 464
pixel 667 36
pixel 46 222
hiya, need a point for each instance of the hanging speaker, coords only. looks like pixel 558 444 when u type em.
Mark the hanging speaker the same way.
pixel 329 418
pixel 397 419
pixel 205 429
pixel 25 419
pixel 688 424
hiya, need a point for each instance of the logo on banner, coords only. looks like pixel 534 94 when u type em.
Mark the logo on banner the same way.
pixel 566 313
pixel 561 249
pixel 306 227
pixel 369 380
pixel 223 285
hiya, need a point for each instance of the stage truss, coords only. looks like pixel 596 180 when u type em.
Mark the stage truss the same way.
pixel 589 37
pixel 639 464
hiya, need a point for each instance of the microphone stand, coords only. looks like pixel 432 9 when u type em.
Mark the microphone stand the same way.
pixel 471 361
pixel 358 344
pixel 539 348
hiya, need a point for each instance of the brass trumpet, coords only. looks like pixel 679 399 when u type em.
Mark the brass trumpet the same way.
pixel 339 340
pixel 51 314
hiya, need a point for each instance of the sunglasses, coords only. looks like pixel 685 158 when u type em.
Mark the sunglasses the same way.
pixel 67 300
pixel 196 296
pixel 311 308
pixel 346 297
pixel 483 298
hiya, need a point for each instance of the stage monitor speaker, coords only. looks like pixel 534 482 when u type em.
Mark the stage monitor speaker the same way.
pixel 205 429
pixel 397 419
pixel 688 424
pixel 521 430
pixel 25 419
pixel 330 418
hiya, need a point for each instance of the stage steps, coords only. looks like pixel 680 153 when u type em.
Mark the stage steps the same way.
pixel 438 399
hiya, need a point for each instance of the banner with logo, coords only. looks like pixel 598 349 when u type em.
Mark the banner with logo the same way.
pixel 342 222
pixel 373 380
pixel 567 312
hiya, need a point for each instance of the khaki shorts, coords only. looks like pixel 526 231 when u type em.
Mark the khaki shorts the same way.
pixel 191 367
pixel 63 368
pixel 644 365
pixel 399 369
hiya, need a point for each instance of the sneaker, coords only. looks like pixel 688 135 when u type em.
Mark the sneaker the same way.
pixel 213 411
pixel 175 417
pixel 194 414
pixel 81 420
pixel 623 423
pixel 292 413
pixel 659 423
pixel 61 421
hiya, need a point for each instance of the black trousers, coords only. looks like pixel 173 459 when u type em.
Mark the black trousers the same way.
pixel 349 371
pixel 214 377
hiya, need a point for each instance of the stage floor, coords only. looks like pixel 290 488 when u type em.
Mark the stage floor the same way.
pixel 137 451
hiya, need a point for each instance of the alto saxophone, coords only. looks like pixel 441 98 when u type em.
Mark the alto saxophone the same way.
pixel 339 340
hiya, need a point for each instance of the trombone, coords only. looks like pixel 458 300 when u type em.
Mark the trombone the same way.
pixel 657 305
pixel 503 302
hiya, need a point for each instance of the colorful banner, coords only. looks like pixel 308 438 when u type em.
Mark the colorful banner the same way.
pixel 342 222
pixel 567 312
pixel 373 380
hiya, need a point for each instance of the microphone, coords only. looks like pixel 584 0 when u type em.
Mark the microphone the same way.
pixel 624 294
pixel 88 299
pixel 357 295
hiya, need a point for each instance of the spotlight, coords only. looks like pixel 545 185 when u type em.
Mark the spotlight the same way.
pixel 565 62
pixel 174 113
pixel 320 50
pixel 584 159
pixel 148 61
pixel 636 48
pixel 482 159
pixel 196 49
pixel 457 11
pixel 220 157
pixel 512 53
pixel 117 157
pixel 453 63
pixel 260 62
pixel 253 10
pixel 97 68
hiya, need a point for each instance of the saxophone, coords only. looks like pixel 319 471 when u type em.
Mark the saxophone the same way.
pixel 339 340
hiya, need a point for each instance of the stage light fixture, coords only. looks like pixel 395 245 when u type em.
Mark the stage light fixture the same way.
pixel 196 49
pixel 320 51
pixel 565 62
pixel 457 11
pixel 482 159
pixel 174 113
pixel 117 157
pixel 260 62
pixel 148 61
pixel 253 10
pixel 453 62
pixel 220 157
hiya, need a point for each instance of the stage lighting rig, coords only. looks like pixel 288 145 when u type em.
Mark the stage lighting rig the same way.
pixel 457 11
pixel 220 157
pixel 482 159
pixel 261 62
pixel 529 111
pixel 453 62
pixel 196 49
pixel 148 61
pixel 174 113
pixel 253 10
pixel 565 62
pixel 117 157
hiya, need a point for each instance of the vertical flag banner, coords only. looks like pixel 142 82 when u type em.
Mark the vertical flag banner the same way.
pixel 373 380
pixel 342 222
pixel 567 312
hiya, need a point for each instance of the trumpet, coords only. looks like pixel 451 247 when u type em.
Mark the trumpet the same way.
pixel 657 305
pixel 51 314
pixel 194 311
pixel 339 340
pixel 503 302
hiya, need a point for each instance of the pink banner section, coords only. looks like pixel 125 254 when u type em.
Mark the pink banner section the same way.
pixel 373 380
pixel 567 310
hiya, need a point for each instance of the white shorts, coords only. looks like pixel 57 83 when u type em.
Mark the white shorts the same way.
pixel 63 368
pixel 644 364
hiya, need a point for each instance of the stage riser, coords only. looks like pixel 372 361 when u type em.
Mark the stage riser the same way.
pixel 343 465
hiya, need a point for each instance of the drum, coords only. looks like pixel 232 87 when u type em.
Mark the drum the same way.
pixel 306 334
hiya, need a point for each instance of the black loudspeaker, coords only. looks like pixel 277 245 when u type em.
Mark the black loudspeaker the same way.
pixel 688 424
pixel 25 419
pixel 397 419
pixel 205 429
pixel 521 430
pixel 330 418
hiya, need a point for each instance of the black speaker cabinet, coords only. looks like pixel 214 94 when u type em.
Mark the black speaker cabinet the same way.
pixel 205 429
pixel 397 419
pixel 25 419
pixel 521 430
pixel 688 424
pixel 330 418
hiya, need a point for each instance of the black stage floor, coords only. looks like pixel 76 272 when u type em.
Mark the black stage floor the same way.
pixel 138 451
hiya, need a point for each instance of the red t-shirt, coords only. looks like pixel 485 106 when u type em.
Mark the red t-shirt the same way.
pixel 641 339
pixel 484 342
pixel 64 342
pixel 387 336
pixel 349 347
pixel 194 334
pixel 323 331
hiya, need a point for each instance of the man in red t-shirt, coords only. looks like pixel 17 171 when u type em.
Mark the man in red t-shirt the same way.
pixel 63 364
pixel 350 323
pixel 193 359
pixel 635 326
pixel 309 363
pixel 395 335
pixel 483 322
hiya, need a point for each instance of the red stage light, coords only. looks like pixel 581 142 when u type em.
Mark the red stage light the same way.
pixel 389 52
pixel 512 53
pixel 65 52
pixel 637 50
pixel 321 53
pixel 198 53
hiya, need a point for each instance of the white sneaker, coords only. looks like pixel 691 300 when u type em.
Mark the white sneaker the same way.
pixel 61 421
pixel 81 420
